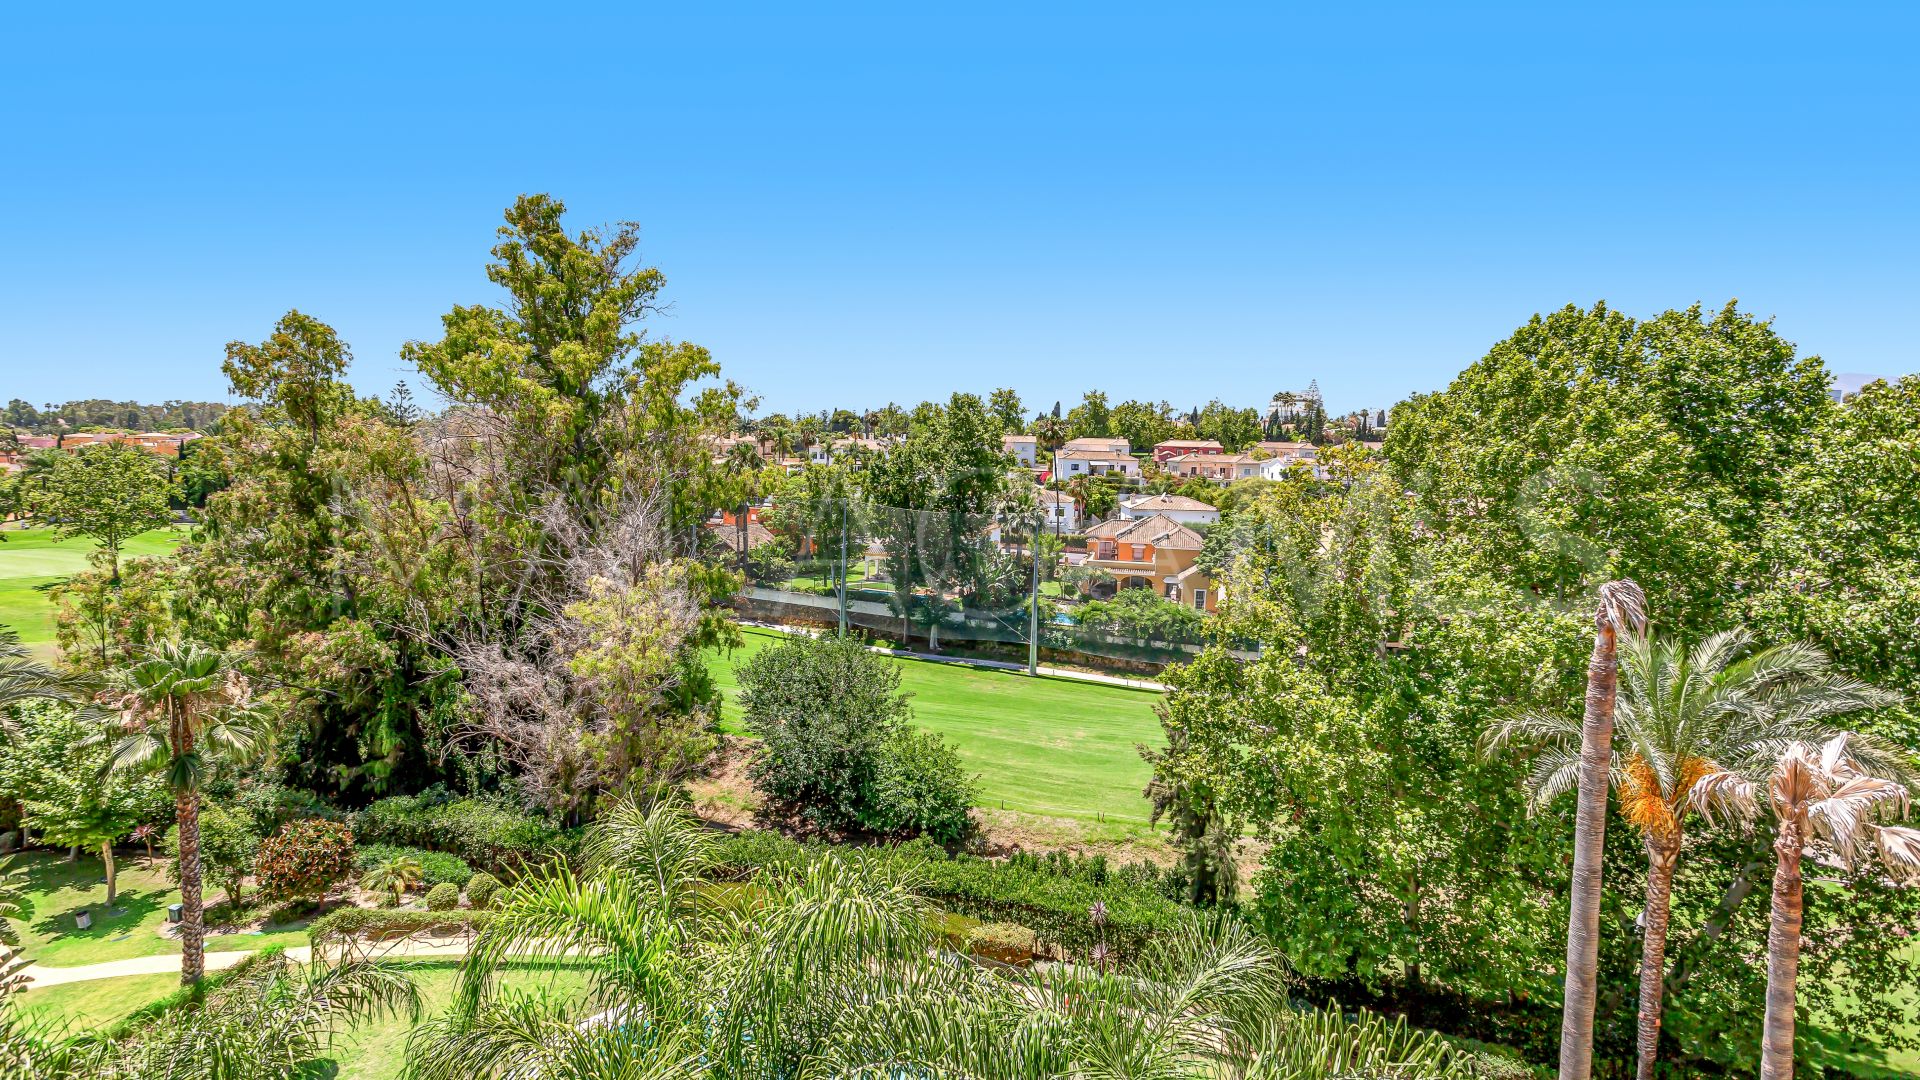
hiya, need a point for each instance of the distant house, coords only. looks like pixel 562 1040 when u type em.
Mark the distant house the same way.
pixel 1224 468
pixel 1304 450
pixel 1023 448
pixel 1072 463
pixel 1061 513
pixel 39 442
pixel 1173 448
pixel 1099 443
pixel 1178 507
pixel 1155 553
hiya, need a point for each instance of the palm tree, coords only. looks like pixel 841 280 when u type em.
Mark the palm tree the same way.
pixel 178 711
pixel 1683 712
pixel 396 876
pixel 1830 792
pixel 12 892
pixel 1622 607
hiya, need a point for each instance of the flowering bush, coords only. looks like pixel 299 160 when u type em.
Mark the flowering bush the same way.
pixel 305 860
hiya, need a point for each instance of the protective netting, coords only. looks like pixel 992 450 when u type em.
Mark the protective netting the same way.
pixel 937 581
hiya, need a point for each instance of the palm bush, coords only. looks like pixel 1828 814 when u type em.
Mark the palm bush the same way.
pixel 393 877
pixel 828 965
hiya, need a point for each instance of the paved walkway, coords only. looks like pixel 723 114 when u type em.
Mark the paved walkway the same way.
pixel 451 948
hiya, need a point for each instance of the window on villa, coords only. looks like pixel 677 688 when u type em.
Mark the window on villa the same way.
pixel 1139 552
pixel 1200 599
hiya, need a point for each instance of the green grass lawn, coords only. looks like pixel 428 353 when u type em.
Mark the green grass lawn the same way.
pixel 32 560
pixel 372 1051
pixel 1041 746
pixel 57 890
pixel 377 1051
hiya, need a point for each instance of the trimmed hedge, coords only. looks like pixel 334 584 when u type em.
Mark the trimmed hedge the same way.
pixel 436 867
pixel 487 835
pixel 443 897
pixel 481 888
pixel 345 923
pixel 1009 943
pixel 1029 892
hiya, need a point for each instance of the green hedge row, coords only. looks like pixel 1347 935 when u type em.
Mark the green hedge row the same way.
pixel 436 867
pixel 386 923
pixel 1055 906
pixel 489 836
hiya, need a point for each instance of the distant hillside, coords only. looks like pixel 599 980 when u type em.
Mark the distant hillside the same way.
pixel 114 415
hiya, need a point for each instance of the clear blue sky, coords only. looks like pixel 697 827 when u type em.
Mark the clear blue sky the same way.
pixel 853 205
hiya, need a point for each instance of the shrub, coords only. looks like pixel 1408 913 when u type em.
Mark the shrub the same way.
pixel 485 834
pixel 305 860
pixel 436 867
pixel 1031 892
pixel 480 890
pixel 920 788
pixel 838 752
pixel 824 708
pixel 347 923
pixel 443 897
pixel 1009 943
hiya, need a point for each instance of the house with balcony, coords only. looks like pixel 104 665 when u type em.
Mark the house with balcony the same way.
pixel 1173 448
pixel 1155 553
pixel 1223 468
pixel 1071 463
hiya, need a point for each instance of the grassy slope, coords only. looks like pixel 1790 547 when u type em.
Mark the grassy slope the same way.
pixel 33 559
pixel 56 889
pixel 88 1006
pixel 1042 746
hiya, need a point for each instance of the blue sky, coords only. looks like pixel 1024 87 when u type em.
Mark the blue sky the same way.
pixel 854 205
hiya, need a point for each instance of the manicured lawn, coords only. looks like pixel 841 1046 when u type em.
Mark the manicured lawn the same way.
pixel 88 1006
pixel 378 1051
pixel 57 889
pixel 1041 746
pixel 31 560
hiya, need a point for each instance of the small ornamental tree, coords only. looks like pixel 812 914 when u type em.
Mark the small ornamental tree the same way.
pixel 305 860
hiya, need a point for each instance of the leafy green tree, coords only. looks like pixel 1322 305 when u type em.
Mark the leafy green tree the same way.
pixel 1235 429
pixel 101 618
pixel 108 493
pixel 1091 418
pixel 933 496
pixel 1589 446
pixel 1005 405
pixel 178 712
pixel 75 804
pixel 1842 546
pixel 1143 424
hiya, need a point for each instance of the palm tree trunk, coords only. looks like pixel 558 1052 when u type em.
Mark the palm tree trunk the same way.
pixel 193 929
pixel 1783 956
pixel 1589 838
pixel 106 856
pixel 1663 853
